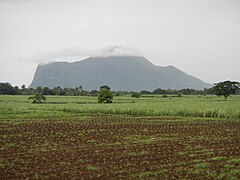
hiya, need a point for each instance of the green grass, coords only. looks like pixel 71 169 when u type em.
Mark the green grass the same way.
pixel 234 161
pixel 217 158
pixel 18 107
pixel 92 168
pixel 2 162
pixel 7 146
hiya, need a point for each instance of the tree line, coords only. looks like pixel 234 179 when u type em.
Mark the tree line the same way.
pixel 217 89
pixel 7 88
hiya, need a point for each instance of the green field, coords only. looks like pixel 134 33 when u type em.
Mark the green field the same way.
pixel 152 137
pixel 18 107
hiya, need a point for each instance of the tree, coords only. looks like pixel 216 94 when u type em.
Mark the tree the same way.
pixel 105 96
pixel 37 98
pixel 106 87
pixel 24 90
pixel 94 93
pixel 159 91
pixel 6 88
pixel 23 87
pixel 46 91
pixel 136 94
pixel 145 92
pixel 39 89
pixel 226 88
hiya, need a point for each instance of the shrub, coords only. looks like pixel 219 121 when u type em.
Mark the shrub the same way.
pixel 136 95
pixel 105 96
pixel 37 98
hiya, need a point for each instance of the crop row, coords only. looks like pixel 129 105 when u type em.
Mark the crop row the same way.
pixel 120 147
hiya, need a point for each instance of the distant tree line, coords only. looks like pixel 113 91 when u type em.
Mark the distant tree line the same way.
pixel 7 88
pixel 186 91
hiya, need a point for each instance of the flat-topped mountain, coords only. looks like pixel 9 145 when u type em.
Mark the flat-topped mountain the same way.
pixel 127 73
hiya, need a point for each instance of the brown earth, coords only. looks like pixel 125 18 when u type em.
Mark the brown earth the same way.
pixel 107 147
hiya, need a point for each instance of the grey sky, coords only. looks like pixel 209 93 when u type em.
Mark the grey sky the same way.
pixel 200 37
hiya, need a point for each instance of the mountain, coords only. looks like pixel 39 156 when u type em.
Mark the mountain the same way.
pixel 127 73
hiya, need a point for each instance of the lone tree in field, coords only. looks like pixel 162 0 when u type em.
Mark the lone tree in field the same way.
pixel 226 88
pixel 37 98
pixel 105 95
pixel 106 87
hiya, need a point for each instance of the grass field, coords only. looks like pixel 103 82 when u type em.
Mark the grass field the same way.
pixel 18 107
pixel 190 137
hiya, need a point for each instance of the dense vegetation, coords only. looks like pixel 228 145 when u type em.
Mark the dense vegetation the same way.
pixel 7 88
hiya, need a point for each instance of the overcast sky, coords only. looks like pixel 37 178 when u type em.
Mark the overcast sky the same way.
pixel 200 37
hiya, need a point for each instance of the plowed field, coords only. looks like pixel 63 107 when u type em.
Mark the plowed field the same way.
pixel 119 147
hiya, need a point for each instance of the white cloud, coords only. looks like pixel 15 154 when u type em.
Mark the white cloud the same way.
pixel 73 54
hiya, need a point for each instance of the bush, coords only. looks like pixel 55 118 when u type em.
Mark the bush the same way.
pixel 136 95
pixel 178 95
pixel 37 98
pixel 105 96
